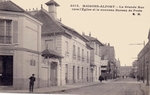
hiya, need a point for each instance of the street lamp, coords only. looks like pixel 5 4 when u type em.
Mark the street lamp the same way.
pixel 147 63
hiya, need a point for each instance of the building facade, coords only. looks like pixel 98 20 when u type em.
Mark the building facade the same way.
pixel 108 53
pixel 118 67
pixel 20 46
pixel 95 56
pixel 36 42
pixel 74 67
pixel 125 71
pixel 134 69
pixel 144 61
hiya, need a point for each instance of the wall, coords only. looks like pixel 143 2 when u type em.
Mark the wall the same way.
pixel 74 60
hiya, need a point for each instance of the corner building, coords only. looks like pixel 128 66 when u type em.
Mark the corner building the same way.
pixel 69 48
pixel 20 46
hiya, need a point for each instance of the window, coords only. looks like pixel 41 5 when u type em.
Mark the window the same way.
pixel 82 72
pixel 78 72
pixel 74 51
pixel 49 44
pixel 32 62
pixel 78 53
pixel 5 31
pixel 66 46
pixel 82 54
pixel 87 56
pixel 67 50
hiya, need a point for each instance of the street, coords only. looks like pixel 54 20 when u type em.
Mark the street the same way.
pixel 125 86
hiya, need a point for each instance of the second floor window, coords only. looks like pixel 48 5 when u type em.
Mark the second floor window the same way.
pixel 74 50
pixel 5 31
pixel 78 51
pixel 67 47
pixel 49 44
pixel 82 54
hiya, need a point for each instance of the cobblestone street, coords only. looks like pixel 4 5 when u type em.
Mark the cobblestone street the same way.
pixel 125 86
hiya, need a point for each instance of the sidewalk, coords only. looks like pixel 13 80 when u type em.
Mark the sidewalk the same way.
pixel 145 88
pixel 53 89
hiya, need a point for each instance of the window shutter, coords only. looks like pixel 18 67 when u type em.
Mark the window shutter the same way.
pixel 15 31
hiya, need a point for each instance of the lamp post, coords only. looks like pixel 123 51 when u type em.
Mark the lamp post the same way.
pixel 147 63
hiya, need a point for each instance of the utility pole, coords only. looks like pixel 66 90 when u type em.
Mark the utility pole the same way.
pixel 143 66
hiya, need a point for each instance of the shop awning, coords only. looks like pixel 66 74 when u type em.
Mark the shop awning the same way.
pixel 51 54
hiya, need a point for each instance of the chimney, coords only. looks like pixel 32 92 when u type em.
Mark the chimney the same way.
pixel 52 8
pixel 90 34
pixel 83 33
pixel 108 44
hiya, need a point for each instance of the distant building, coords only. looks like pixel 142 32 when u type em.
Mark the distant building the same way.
pixel 108 53
pixel 95 56
pixel 135 68
pixel 118 67
pixel 125 70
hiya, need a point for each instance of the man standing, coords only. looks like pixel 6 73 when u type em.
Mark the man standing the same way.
pixel 31 84
pixel 101 78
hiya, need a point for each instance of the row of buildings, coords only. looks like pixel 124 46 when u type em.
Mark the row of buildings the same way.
pixel 36 42
pixel 141 66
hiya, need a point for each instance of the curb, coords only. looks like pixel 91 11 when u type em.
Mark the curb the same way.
pixel 63 90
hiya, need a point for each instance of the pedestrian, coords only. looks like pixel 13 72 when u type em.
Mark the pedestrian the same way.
pixel 31 83
pixel 101 78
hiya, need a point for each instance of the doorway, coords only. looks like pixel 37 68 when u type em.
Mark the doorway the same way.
pixel 66 74
pixel 6 70
pixel 73 74
pixel 53 74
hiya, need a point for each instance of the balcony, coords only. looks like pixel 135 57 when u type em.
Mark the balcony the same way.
pixel 5 39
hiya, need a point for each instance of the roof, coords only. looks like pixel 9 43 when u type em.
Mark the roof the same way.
pixel 49 24
pixel 89 46
pixel 51 53
pixel 10 6
pixel 93 39
pixel 52 25
pixel 51 2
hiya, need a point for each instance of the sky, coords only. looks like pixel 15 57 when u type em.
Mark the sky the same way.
pixel 119 28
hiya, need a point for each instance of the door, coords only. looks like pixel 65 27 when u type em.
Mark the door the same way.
pixel 66 74
pixel 73 74
pixel 6 70
pixel 53 74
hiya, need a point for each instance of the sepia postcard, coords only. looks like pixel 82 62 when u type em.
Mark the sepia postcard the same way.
pixel 75 47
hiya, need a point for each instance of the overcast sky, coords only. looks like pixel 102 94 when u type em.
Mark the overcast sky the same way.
pixel 117 28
